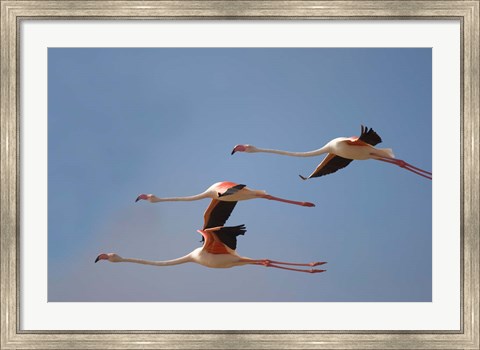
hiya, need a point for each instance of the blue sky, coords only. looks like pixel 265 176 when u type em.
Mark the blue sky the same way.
pixel 127 121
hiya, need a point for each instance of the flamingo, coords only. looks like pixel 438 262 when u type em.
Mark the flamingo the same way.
pixel 224 191
pixel 218 250
pixel 341 151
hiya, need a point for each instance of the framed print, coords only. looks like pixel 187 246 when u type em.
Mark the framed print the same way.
pixel 110 110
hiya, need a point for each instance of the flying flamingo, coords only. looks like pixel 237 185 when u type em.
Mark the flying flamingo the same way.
pixel 224 191
pixel 341 151
pixel 218 250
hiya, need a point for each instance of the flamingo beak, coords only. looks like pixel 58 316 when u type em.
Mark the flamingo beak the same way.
pixel 239 148
pixel 142 196
pixel 102 257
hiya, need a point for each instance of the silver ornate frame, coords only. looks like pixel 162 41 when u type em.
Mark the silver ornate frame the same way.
pixel 13 12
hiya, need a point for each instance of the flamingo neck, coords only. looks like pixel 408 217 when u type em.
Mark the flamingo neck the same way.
pixel 293 154
pixel 155 199
pixel 182 260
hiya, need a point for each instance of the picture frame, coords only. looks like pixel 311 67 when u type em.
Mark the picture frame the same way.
pixel 13 12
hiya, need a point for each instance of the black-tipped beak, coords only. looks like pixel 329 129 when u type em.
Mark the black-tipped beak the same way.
pixel 98 258
pixel 138 198
pixel 233 151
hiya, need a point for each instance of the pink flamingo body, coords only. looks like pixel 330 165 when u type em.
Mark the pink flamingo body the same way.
pixel 224 191
pixel 218 250
pixel 342 151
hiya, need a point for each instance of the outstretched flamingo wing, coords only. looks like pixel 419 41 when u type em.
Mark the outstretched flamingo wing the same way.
pixel 369 136
pixel 217 213
pixel 330 164
pixel 219 239
pixel 212 244
pixel 231 190
pixel 228 235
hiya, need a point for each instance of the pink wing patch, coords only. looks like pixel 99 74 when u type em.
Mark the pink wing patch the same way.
pixel 355 141
pixel 212 244
pixel 224 186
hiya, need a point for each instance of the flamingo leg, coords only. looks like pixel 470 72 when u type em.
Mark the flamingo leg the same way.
pixel 268 261
pixel 414 167
pixel 289 268
pixel 303 204
pixel 275 264
pixel 406 166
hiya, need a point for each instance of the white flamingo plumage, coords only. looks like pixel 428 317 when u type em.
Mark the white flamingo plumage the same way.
pixel 341 151
pixel 218 250
pixel 224 191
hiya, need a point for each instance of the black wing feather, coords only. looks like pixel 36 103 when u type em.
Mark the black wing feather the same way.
pixel 369 136
pixel 228 235
pixel 232 190
pixel 219 214
pixel 332 166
